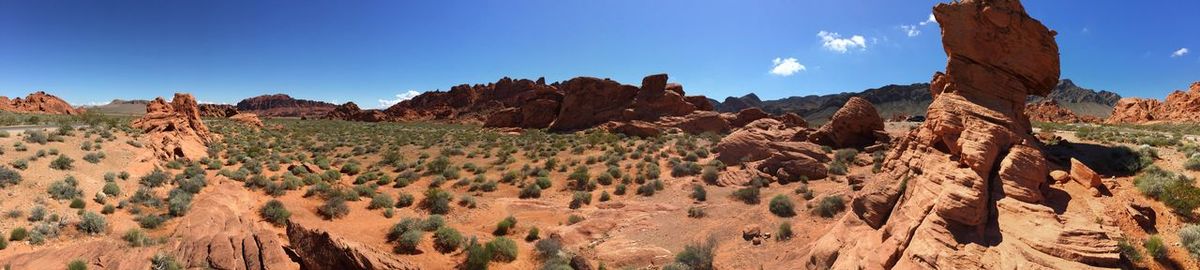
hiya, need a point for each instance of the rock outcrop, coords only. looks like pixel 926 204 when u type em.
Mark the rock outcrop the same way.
pixel 350 112
pixel 38 102
pixel 281 105
pixel 218 110
pixel 856 125
pixel 174 130
pixel 967 189
pixel 765 146
pixel 249 119
pixel 318 249
pixel 1049 111
pixel 1180 106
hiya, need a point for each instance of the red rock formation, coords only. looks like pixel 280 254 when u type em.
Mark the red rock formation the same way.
pixel 248 119
pixel 1049 111
pixel 318 249
pixel 217 110
pixel 350 112
pixel 765 147
pixel 967 189
pixel 38 102
pixel 280 105
pixel 174 130
pixel 1179 106
pixel 856 124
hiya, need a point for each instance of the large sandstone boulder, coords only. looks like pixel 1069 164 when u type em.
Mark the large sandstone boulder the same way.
pixel 967 189
pixel 855 125
pixel 38 102
pixel 174 130
pixel 249 119
pixel 764 147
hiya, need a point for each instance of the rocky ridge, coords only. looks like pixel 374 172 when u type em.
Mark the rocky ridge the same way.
pixel 1179 106
pixel 38 102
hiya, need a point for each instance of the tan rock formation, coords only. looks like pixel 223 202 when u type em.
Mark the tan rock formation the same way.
pixel 249 119
pixel 174 130
pixel 318 249
pixel 966 189
pixel 855 125
pixel 1179 106
pixel 1049 111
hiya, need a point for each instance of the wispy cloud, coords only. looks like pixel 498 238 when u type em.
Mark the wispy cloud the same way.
pixel 384 103
pixel 786 66
pixel 930 20
pixel 835 42
pixel 912 30
pixel 1180 52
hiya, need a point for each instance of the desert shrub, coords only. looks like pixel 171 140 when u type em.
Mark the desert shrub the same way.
pixel 1155 247
pixel 830 205
pixel 502 249
pixel 150 221
pixel 782 206
pixel 698 256
pixel 77 203
pixel 77 265
pixel 547 248
pixel 36 136
pixel 604 197
pixel 447 239
pixel 530 191
pixel 381 201
pixel 92 223
pixel 64 189
pixel 162 261
pixel 579 198
pixel 93 157
pixel 696 212
pixel 748 195
pixel 62 163
pixel 178 202
pixel 1192 163
pixel 686 169
pixel 405 225
pixel 433 222
pixel 37 213
pixel 3 243
pixel 604 179
pixel 785 231
pixel 137 238
pixel 572 219
pixel 156 178
pixel 646 190
pixel 408 242
pixel 1189 237
pixel 20 164
pixel 838 167
pixel 437 201
pixel 505 225
pixel 108 209
pixel 18 234
pixel 351 168
pixel 333 208
pixel 1174 190
pixel 274 211
pixel 698 193
pixel 404 200
pixel 9 177
pixel 477 256
pixel 111 189
pixel 709 175
pixel 532 235
pixel 579 178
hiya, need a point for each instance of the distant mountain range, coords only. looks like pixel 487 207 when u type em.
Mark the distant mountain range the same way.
pixel 907 100
pixel 276 105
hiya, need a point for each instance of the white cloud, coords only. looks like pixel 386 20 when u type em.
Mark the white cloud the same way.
pixel 786 67
pixel 384 103
pixel 910 30
pixel 1180 52
pixel 930 20
pixel 835 42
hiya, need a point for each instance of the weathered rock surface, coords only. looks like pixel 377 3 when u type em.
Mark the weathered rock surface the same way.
pixel 1179 106
pixel 351 112
pixel 174 130
pixel 38 102
pixel 249 119
pixel 318 249
pixel 855 125
pixel 218 110
pixel 969 183
pixel 766 148
pixel 1084 175
pixel 1049 111
pixel 281 105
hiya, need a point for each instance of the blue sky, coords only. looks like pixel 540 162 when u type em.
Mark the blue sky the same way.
pixel 368 51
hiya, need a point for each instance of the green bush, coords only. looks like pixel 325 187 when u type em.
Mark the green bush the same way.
pixel 77 203
pixel 1189 237
pixel 62 163
pixel 437 201
pixel 136 238
pixel 92 223
pixel 447 239
pixel 530 191
pixel 1174 190
pixel 9 177
pixel 830 206
pixel 18 234
pixel 1129 251
pixel 64 189
pixel 404 200
pixel 502 249
pixel 532 235
pixel 162 261
pixel 408 241
pixel 477 256
pixel 274 211
pixel 709 175
pixel 580 198
pixel 178 202
pixel 381 200
pixel 782 206
pixel 333 208
pixel 572 219
pixel 698 193
pixel 156 178
pixel 698 256
pixel 150 221
pixel 785 231
pixel 749 195
pixel 77 265
pixel 505 226
pixel 111 189
pixel 696 212
pixel 433 222
pixel 1155 247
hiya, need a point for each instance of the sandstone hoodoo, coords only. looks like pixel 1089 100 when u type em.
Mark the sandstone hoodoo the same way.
pixel 174 130
pixel 1180 106
pixel 856 124
pixel 967 189
pixel 38 102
